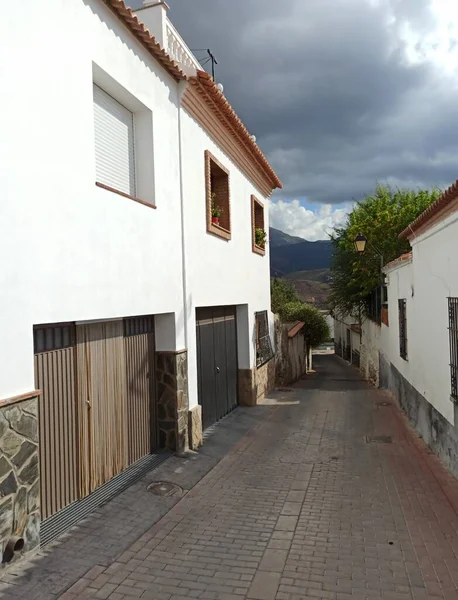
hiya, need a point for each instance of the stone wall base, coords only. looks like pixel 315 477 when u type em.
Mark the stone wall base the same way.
pixel 19 475
pixel 172 400
pixel 255 384
pixel 195 427
pixel 247 387
pixel 431 426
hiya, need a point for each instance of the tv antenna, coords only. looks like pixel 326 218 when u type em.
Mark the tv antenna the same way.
pixel 210 57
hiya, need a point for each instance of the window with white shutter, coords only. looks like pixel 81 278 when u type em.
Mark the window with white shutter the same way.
pixel 114 143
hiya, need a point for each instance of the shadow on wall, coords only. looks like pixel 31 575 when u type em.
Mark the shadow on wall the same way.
pixel 431 426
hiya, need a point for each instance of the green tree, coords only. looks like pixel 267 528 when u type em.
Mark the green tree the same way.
pixel 316 329
pixel 380 217
pixel 286 303
pixel 281 292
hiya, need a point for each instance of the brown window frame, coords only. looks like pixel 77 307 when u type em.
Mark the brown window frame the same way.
pixel 223 229
pixel 257 220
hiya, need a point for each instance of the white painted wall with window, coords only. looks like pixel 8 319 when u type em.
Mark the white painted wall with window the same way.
pixel 77 251
pixel 220 271
pixel 425 283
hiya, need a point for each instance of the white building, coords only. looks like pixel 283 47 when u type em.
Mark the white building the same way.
pixel 128 314
pixel 415 349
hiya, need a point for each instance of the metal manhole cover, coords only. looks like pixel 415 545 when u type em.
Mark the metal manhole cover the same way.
pixel 379 439
pixel 165 488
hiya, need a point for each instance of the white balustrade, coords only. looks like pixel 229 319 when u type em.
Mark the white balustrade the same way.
pixel 179 51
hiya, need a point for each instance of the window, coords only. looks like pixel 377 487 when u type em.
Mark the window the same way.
pixel 114 144
pixel 264 351
pixel 402 329
pixel 453 332
pixel 258 232
pixel 217 198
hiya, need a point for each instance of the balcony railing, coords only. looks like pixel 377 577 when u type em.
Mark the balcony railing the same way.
pixel 179 51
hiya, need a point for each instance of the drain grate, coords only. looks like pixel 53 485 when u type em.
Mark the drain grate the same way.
pixel 165 488
pixel 379 439
pixel 62 521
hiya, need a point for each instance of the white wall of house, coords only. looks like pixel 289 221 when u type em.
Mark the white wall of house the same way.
pixel 75 251
pixel 220 272
pixel 369 351
pixel 426 284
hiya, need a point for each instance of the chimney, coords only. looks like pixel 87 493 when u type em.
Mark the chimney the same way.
pixel 153 14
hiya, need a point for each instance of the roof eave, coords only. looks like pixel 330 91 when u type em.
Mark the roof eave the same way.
pixel 206 83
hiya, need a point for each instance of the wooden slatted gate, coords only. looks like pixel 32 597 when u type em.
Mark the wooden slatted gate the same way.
pixel 97 412
pixel 217 362
pixel 55 377
pixel 141 408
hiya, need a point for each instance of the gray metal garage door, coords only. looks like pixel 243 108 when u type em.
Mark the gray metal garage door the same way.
pixel 217 362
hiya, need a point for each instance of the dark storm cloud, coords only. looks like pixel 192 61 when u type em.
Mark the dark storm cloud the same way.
pixel 326 88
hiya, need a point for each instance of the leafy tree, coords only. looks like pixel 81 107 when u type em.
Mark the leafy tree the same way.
pixel 316 329
pixel 281 292
pixel 380 217
pixel 286 302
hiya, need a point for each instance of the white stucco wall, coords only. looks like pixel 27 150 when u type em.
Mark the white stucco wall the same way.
pixel 76 252
pixel 220 272
pixel 426 284
pixel 369 350
pixel 72 251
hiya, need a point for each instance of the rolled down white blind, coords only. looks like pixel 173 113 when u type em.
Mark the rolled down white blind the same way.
pixel 114 143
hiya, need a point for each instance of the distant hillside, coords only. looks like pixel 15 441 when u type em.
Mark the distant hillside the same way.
pixel 279 238
pixel 320 275
pixel 290 254
pixel 312 286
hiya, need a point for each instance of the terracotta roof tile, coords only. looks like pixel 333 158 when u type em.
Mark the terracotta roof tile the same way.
pixel 216 100
pixel 125 14
pixel 397 261
pixel 447 198
pixel 203 80
pixel 295 329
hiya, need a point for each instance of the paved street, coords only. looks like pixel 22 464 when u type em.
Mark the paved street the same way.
pixel 327 495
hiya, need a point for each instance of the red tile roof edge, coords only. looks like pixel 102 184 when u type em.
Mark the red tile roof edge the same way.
pixel 136 27
pixel 295 329
pixel 216 98
pixel 397 261
pixel 447 197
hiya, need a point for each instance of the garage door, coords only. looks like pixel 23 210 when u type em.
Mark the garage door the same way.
pixel 216 362
pixel 97 412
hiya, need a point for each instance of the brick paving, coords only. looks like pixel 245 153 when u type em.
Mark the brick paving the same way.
pixel 311 503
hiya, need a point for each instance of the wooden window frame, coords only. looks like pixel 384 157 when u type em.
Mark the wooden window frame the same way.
pixel 218 230
pixel 257 208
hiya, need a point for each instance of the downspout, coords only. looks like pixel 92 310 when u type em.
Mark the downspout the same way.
pixel 181 90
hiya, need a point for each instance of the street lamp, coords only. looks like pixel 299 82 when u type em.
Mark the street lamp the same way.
pixel 360 243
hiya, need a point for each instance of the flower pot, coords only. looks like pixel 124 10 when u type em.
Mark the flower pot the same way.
pixel 215 220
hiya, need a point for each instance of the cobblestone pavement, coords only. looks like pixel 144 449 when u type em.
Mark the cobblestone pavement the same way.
pixel 313 502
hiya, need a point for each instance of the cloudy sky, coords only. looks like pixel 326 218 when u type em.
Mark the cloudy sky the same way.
pixel 341 94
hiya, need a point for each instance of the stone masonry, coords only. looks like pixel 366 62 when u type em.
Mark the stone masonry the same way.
pixel 195 427
pixel 19 473
pixel 172 400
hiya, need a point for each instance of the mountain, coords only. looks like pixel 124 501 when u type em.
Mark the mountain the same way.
pixel 290 254
pixel 279 238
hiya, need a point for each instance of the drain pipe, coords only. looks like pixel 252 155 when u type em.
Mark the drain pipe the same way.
pixel 15 544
